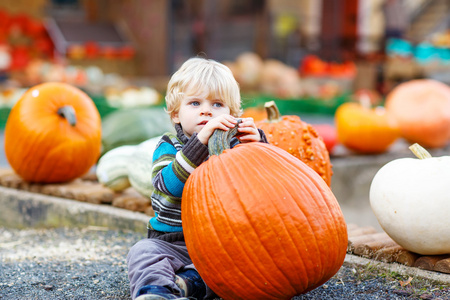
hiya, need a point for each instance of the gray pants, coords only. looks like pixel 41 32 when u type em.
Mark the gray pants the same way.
pixel 155 262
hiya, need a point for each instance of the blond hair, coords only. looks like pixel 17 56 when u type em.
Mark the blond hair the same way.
pixel 206 78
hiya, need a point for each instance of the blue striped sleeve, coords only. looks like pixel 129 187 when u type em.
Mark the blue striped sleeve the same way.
pixel 163 177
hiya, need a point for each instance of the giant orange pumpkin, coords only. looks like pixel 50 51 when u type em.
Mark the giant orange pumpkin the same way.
pixel 364 129
pixel 53 134
pixel 260 224
pixel 422 110
pixel 298 138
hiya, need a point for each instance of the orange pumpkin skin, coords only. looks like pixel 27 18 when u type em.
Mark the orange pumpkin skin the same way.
pixel 260 224
pixel 41 146
pixel 365 130
pixel 257 113
pixel 301 140
pixel 422 110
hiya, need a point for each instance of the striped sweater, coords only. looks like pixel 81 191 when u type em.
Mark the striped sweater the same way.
pixel 174 159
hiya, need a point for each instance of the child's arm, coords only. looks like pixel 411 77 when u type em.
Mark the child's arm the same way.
pixel 172 166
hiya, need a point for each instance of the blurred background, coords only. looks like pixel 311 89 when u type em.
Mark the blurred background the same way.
pixel 122 52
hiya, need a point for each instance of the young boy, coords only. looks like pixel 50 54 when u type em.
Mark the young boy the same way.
pixel 202 96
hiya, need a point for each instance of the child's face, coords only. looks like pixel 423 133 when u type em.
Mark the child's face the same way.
pixel 196 111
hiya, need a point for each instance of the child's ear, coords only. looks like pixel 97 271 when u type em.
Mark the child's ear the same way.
pixel 175 118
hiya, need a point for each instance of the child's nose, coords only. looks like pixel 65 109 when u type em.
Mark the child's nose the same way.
pixel 206 110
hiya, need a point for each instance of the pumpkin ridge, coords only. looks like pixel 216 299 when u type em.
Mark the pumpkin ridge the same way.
pixel 339 235
pixel 323 194
pixel 321 245
pixel 301 266
pixel 244 243
pixel 212 231
pixel 293 204
pixel 193 231
pixel 316 245
pixel 248 213
pixel 319 249
pixel 46 163
pixel 33 159
pixel 303 181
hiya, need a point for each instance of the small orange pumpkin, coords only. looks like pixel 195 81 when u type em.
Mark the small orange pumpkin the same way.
pixel 260 224
pixel 53 133
pixel 364 129
pixel 422 109
pixel 298 138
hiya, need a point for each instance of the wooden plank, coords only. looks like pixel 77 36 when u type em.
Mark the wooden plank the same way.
pixel 355 241
pixel 61 189
pixel 85 189
pixel 368 249
pixel 443 266
pixel 388 254
pixel 428 262
pixel 31 187
pixel 11 180
pixel 406 258
pixel 130 199
pixel 94 194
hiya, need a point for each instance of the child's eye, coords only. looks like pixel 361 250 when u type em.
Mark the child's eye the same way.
pixel 194 103
pixel 218 104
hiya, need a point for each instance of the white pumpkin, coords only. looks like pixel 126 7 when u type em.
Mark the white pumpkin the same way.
pixel 140 167
pixel 411 199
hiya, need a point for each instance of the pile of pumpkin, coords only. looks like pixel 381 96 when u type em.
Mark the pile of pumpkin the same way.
pixel 274 78
pixel 417 111
pixel 271 76
pixel 256 214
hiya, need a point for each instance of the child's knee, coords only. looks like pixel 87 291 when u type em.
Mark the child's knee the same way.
pixel 145 246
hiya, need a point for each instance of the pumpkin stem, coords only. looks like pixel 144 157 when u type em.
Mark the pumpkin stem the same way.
pixel 68 112
pixel 419 151
pixel 273 114
pixel 220 139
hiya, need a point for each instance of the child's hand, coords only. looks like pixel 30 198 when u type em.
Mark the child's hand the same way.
pixel 224 122
pixel 247 131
